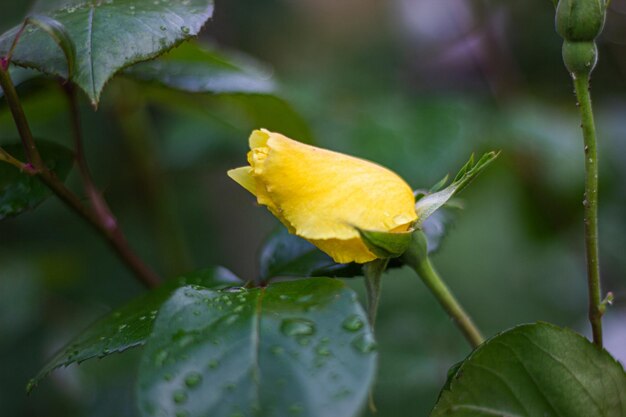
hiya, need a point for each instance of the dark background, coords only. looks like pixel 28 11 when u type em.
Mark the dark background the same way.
pixel 415 85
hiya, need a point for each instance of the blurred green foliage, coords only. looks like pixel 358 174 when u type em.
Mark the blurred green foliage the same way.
pixel 411 84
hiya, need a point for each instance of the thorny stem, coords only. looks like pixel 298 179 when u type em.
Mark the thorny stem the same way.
pixel 435 284
pixel 590 204
pixel 8 158
pixel 113 235
pixel 6 60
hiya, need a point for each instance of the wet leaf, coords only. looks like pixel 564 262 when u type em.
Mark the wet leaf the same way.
pixel 201 69
pixel 19 191
pixel 108 34
pixel 130 325
pixel 294 348
pixel 535 370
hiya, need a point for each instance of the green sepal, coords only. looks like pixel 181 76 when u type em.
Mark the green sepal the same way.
pixel 580 58
pixel 386 244
pixel 580 20
pixel 417 249
pixel 429 203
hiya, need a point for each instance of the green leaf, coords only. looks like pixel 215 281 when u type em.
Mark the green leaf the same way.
pixel 59 35
pixel 284 254
pixel 293 348
pixel 200 69
pixel 130 325
pixel 386 244
pixel 20 191
pixel 430 203
pixel 238 113
pixel 109 35
pixel 536 370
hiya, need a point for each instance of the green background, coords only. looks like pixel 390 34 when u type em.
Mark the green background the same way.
pixel 414 85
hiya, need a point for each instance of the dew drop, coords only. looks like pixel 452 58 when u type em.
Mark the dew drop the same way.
pixel 277 350
pixel 342 393
pixel 185 29
pixel 179 397
pixel 303 340
pixel 402 219
pixel 297 327
pixel 213 364
pixel 364 343
pixel 193 379
pixel 305 299
pixel 163 28
pixel 353 323
pixel 160 357
pixel 322 350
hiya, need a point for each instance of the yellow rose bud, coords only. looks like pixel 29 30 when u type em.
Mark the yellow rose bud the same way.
pixel 324 196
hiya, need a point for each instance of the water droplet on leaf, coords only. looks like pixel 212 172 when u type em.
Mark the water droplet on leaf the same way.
pixel 364 343
pixel 193 379
pixel 179 397
pixel 297 327
pixel 353 323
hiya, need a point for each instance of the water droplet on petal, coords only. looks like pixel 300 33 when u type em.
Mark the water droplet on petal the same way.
pixel 185 30
pixel 401 219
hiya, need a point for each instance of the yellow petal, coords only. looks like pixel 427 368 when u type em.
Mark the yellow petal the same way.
pixel 243 176
pixel 345 251
pixel 325 194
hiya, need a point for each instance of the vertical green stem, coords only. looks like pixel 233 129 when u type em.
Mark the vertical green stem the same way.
pixel 590 204
pixel 433 281
pixel 373 272
pixel 113 235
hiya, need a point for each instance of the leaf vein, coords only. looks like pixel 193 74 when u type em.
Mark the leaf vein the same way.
pixel 557 360
pixel 92 11
pixel 521 362
pixel 504 381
